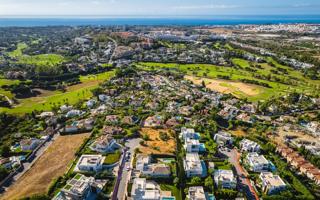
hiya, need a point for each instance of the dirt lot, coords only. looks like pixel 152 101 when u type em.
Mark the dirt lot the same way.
pixel 227 87
pixel 53 163
pixel 294 133
pixel 155 145
pixel 238 133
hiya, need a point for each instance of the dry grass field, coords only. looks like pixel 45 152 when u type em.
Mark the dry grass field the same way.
pixel 155 145
pixel 282 133
pixel 238 133
pixel 52 164
pixel 238 89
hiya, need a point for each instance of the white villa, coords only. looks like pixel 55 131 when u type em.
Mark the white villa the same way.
pixel 191 140
pixel 223 138
pixel 90 163
pixel 192 165
pixel 249 146
pixel 143 189
pixel 187 133
pixel 73 113
pixel 196 193
pixel 191 145
pixel 258 163
pixel 271 183
pixel 79 187
pixel 225 179
pixel 144 165
pixel 104 144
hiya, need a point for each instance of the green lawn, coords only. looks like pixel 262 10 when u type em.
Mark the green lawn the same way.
pixel 18 52
pixel 240 62
pixel 48 60
pixel 223 165
pixel 72 95
pixel 212 71
pixel 3 82
pixel 41 61
pixel 174 190
pixel 112 158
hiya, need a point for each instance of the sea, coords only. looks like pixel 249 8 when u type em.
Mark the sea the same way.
pixel 9 21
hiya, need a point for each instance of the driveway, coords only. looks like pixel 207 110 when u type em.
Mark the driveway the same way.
pixel 244 182
pixel 124 175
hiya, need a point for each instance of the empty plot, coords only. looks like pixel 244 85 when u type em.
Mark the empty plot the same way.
pixel 155 145
pixel 238 89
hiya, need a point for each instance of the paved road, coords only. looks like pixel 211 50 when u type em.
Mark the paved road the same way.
pixel 124 176
pixel 245 184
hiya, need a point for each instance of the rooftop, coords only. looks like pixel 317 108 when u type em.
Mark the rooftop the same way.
pixel 270 179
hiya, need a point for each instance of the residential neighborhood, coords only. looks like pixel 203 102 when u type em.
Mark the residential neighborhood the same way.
pixel 132 112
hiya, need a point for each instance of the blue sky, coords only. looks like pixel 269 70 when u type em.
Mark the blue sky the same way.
pixel 159 7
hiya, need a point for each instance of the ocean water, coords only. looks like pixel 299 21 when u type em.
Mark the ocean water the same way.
pixel 156 21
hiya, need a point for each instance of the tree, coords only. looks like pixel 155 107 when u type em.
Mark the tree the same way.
pixel 5 151
pixel 3 173
pixel 176 181
pixel 209 182
pixel 196 181
pixel 145 137
pixel 164 136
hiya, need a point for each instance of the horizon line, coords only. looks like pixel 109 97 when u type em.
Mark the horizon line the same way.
pixel 154 16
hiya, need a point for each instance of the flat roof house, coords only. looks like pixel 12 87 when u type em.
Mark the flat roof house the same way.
pixel 192 165
pixel 196 193
pixel 144 190
pixel 271 183
pixel 188 133
pixel 225 179
pixel 90 163
pixel 191 145
pixel 79 187
pixel 249 146
pixel 258 163
pixel 144 165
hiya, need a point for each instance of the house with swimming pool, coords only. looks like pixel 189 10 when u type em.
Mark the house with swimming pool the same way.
pixel 193 166
pixel 90 163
